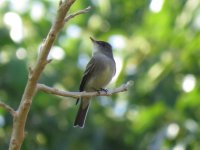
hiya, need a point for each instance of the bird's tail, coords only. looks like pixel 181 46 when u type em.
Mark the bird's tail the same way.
pixel 82 113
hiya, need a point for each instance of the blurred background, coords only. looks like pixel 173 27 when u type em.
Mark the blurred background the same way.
pixel 156 44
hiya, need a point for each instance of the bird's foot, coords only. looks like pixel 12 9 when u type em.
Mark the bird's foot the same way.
pixel 101 90
pixel 105 90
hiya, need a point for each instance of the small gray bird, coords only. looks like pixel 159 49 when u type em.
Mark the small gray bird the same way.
pixel 99 72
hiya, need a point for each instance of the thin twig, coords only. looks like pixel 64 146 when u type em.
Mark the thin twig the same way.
pixel 58 92
pixel 8 108
pixel 77 13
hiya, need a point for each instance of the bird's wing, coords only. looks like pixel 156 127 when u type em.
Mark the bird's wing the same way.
pixel 87 74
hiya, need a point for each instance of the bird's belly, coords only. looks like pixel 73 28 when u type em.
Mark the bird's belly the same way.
pixel 102 78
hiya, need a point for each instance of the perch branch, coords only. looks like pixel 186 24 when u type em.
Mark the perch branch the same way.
pixel 19 120
pixel 7 108
pixel 77 13
pixel 58 92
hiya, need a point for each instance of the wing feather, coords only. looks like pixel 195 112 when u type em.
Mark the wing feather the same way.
pixel 87 74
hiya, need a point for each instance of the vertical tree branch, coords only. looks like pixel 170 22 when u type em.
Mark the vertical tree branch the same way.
pixel 20 117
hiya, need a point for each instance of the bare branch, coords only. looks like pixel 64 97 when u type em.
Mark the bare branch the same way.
pixel 58 92
pixel 35 72
pixel 77 13
pixel 8 108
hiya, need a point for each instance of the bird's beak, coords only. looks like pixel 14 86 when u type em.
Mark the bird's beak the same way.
pixel 93 40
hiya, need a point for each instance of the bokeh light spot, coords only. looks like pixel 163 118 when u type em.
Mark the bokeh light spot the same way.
pixel 83 60
pixel 156 5
pixel 172 130
pixel 37 11
pixel 189 82
pixel 120 108
pixel 13 20
pixel 21 53
pixel 191 125
pixel 74 31
pixel 4 57
pixel 117 41
pixel 179 147
pixel 21 6
pixel 56 53
pixel 40 138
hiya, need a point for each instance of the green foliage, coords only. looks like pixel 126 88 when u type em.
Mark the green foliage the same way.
pixel 157 49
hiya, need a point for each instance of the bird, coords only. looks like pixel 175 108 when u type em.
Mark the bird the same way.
pixel 98 73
